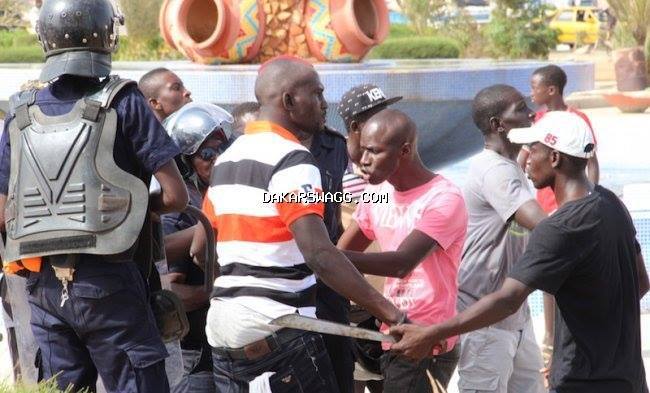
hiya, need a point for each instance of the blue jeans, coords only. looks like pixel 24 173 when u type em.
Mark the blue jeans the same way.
pixel 300 365
pixel 194 382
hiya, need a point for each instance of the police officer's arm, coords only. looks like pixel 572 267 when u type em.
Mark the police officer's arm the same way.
pixel 173 196
pixel 417 341
pixel 5 154
pixel 3 201
pixel 413 249
pixel 331 266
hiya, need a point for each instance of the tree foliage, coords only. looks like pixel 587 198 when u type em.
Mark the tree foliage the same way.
pixel 420 12
pixel 633 18
pixel 12 12
pixel 141 18
pixel 519 29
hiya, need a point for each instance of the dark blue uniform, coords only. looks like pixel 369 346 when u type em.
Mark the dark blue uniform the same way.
pixel 197 353
pixel 106 325
pixel 331 155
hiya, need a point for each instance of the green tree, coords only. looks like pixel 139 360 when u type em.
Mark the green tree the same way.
pixel 141 18
pixel 519 29
pixel 420 12
pixel 12 12
pixel 633 17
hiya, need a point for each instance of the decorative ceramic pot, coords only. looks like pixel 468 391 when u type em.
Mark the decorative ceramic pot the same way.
pixel 213 31
pixel 345 30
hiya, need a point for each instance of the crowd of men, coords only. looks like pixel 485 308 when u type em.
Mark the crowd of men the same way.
pixel 116 285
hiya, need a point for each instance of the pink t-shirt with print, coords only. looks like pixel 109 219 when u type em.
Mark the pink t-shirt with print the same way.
pixel 437 209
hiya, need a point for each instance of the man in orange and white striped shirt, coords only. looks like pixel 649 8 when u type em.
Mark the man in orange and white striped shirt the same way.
pixel 265 204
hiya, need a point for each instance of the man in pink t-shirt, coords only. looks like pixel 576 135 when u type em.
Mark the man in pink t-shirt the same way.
pixel 419 220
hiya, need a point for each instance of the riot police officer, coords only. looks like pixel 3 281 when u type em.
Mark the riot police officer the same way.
pixel 329 149
pixel 202 133
pixel 76 158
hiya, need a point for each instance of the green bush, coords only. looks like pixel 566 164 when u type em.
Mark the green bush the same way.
pixel 17 37
pixel 141 18
pixel 22 54
pixel 400 31
pixel 6 38
pixel 463 29
pixel 405 31
pixel 133 49
pixel 417 48
pixel 25 39
pixel 523 33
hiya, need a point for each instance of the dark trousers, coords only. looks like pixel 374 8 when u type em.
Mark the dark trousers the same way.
pixel 334 307
pixel 106 326
pixel 404 376
pixel 300 365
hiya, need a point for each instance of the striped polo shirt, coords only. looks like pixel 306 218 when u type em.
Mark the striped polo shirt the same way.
pixel 261 265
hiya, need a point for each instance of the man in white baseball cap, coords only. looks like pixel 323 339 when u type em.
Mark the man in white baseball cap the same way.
pixel 565 132
pixel 585 254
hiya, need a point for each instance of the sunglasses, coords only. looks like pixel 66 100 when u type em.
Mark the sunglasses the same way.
pixel 208 153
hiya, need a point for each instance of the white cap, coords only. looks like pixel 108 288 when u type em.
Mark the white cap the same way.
pixel 563 131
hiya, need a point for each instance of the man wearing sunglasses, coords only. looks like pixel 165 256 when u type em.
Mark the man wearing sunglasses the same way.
pixel 198 129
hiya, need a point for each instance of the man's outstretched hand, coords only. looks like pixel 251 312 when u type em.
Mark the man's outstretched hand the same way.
pixel 417 342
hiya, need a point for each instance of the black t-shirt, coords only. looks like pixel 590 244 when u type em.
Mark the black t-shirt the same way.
pixel 585 255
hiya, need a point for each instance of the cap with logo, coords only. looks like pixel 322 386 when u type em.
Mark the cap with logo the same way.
pixel 563 131
pixel 362 98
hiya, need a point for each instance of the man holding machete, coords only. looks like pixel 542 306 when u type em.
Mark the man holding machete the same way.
pixel 265 206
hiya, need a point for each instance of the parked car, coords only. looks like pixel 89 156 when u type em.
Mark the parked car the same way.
pixel 576 25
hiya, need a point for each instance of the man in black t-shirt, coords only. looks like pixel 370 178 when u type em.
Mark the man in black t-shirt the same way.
pixel 585 254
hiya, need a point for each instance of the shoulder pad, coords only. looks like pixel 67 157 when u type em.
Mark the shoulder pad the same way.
pixel 111 86
pixel 333 132
pixel 26 97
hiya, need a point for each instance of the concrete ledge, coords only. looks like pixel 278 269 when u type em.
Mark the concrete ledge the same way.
pixel 587 100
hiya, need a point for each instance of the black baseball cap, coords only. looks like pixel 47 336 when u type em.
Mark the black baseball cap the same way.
pixel 362 98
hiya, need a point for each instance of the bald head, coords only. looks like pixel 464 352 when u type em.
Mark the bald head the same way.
pixel 389 149
pixel 281 75
pixel 290 94
pixel 392 127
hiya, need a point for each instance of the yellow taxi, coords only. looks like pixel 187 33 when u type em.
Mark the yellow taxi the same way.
pixel 576 25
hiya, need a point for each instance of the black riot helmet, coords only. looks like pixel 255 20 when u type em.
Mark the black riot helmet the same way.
pixel 78 37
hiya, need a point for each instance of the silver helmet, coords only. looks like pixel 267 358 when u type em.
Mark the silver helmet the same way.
pixel 191 125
